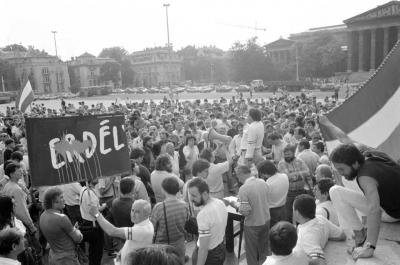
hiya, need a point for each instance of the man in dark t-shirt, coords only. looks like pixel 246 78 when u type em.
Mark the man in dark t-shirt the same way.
pixel 121 207
pixel 378 176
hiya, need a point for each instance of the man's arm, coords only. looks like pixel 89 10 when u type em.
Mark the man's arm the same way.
pixel 21 210
pixel 370 188
pixel 251 142
pixel 204 242
pixel 106 226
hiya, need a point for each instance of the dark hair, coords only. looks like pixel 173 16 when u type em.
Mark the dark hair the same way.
pixel 162 162
pixel 11 168
pixel 136 153
pixel 305 204
pixel 324 186
pixel 50 196
pixel 282 238
pixel 266 167
pixel 17 155
pixel 190 137
pixel 301 131
pixel 289 147
pixel 146 139
pixel 305 144
pixel 9 237
pixel 199 166
pixel 9 141
pixel 206 154
pixel 126 185
pixel 200 184
pixel 312 122
pixel 274 136
pixel 7 208
pixel 154 255
pixel 255 114
pixel 347 154
pixel 320 146
pixel 170 185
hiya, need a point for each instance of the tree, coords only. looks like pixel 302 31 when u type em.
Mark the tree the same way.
pixel 110 71
pixel 7 72
pixel 120 55
pixel 15 48
pixel 249 62
pixel 322 56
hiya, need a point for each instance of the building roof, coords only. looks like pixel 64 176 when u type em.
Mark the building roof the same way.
pixel 281 43
pixel 389 9
pixel 86 54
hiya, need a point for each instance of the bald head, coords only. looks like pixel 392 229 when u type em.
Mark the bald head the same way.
pixel 323 172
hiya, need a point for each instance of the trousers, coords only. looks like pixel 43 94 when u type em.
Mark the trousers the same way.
pixel 256 239
pixel 346 201
pixel 95 238
pixel 215 256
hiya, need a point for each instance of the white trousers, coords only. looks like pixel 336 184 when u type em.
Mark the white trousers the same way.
pixel 346 201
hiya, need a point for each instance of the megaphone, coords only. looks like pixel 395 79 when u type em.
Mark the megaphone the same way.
pixel 214 136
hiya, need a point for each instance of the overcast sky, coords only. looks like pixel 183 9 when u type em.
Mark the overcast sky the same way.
pixel 90 25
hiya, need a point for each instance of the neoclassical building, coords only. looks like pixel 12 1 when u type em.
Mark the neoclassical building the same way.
pixel 371 35
pixel 86 70
pixel 156 66
pixel 47 74
pixel 367 37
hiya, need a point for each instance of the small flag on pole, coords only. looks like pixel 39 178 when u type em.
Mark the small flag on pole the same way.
pixel 24 98
pixel 372 115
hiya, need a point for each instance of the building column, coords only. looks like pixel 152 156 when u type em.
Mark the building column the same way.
pixel 349 51
pixel 385 42
pixel 373 46
pixel 398 33
pixel 360 51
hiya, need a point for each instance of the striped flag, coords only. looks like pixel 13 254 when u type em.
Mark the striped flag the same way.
pixel 25 97
pixel 372 115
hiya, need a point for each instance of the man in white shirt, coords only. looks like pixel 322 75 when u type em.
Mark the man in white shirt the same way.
pixel 174 157
pixel 278 145
pixel 211 221
pixel 309 157
pixel 71 194
pixel 12 244
pixel 215 172
pixel 283 239
pixel 313 231
pixel 235 144
pixel 278 189
pixel 255 136
pixel 140 235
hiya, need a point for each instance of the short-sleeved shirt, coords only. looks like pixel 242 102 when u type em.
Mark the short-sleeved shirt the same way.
pixel 121 211
pixel 314 234
pixel 88 198
pixel 177 213
pixel 211 221
pixel 157 178
pixel 278 189
pixel 214 179
pixel 56 228
pixel 141 235
pixel 254 195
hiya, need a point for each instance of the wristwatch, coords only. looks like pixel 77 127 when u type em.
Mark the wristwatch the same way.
pixel 369 245
pixel 97 215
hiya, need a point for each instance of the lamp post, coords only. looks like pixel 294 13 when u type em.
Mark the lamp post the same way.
pixel 168 45
pixel 55 42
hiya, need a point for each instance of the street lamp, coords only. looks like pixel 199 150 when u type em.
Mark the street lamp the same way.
pixel 55 42
pixel 168 44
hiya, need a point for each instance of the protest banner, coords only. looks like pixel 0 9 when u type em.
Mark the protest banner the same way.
pixel 77 148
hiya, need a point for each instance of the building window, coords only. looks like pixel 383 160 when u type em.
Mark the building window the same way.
pixel 92 73
pixel 45 71
pixel 46 79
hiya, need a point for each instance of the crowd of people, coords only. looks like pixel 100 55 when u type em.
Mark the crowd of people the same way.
pixel 189 160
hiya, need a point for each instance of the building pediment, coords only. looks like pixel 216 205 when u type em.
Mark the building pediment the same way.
pixel 390 9
pixel 281 43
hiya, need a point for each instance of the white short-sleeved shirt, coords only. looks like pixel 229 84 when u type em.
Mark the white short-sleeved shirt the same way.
pixel 214 179
pixel 314 234
pixel 297 257
pixel 88 198
pixel 326 207
pixel 278 189
pixel 140 235
pixel 211 221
